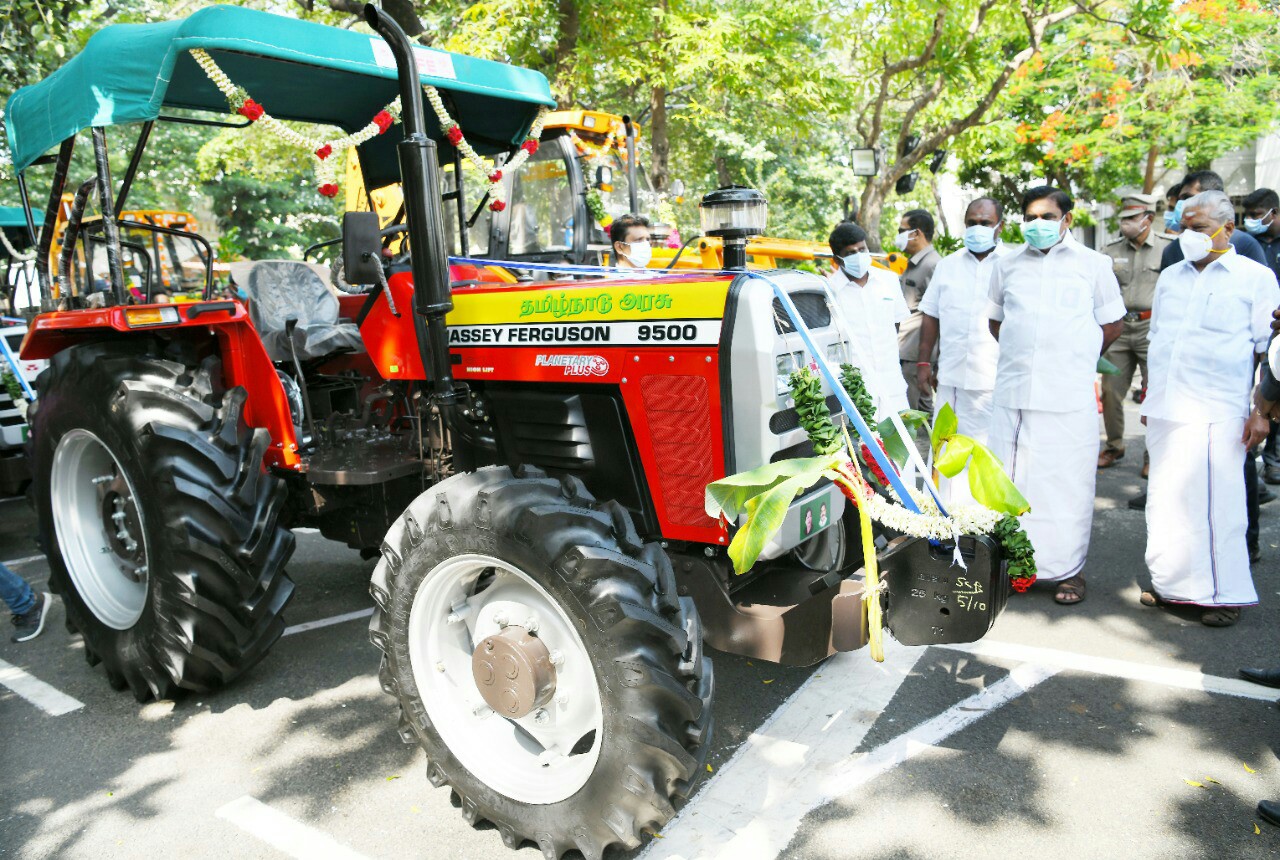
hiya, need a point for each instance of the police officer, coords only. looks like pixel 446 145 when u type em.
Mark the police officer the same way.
pixel 1135 259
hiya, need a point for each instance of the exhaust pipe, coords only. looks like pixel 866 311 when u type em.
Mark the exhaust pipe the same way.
pixel 420 175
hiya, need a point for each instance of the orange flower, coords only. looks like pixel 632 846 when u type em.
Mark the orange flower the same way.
pixel 1110 120
pixel 1122 85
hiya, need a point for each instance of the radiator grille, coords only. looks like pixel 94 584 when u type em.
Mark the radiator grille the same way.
pixel 813 311
pixel 679 416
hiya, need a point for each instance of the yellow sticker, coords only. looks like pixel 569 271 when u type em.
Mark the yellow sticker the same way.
pixel 587 301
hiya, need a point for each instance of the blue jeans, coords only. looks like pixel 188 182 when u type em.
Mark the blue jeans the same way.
pixel 15 592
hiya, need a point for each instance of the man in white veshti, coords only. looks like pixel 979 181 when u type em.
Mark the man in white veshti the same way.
pixel 955 309
pixel 871 304
pixel 1055 306
pixel 1211 318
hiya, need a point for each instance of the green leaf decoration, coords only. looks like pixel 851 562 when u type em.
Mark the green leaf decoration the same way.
pixel 812 411
pixel 729 496
pixel 856 388
pixel 765 514
pixel 953 458
pixel 894 445
pixel 944 427
pixel 990 485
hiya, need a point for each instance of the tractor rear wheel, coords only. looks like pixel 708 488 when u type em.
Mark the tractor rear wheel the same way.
pixel 542 659
pixel 161 526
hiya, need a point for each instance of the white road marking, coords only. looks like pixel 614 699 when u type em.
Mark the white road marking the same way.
pixel 326 622
pixel 1185 678
pixel 766 783
pixel 753 808
pixel 282 832
pixel 28 560
pixel 37 692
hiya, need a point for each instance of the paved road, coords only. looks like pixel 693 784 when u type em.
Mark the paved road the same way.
pixel 1076 730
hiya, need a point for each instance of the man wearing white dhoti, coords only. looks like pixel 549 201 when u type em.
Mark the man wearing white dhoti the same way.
pixel 1054 306
pixel 954 312
pixel 870 301
pixel 1211 318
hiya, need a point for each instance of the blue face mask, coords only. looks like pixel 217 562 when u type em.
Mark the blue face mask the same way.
pixel 1173 220
pixel 1257 226
pixel 1041 234
pixel 856 265
pixel 979 238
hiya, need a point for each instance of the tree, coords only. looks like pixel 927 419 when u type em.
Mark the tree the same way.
pixel 1112 104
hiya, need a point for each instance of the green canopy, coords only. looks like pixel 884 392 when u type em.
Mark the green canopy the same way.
pixel 295 69
pixel 12 216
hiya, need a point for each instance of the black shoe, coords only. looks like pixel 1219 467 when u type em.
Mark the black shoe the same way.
pixel 1264 494
pixel 1271 474
pixel 1265 677
pixel 1138 503
pixel 1255 554
pixel 30 623
pixel 1269 812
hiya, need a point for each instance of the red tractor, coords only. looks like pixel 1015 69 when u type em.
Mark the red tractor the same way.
pixel 528 460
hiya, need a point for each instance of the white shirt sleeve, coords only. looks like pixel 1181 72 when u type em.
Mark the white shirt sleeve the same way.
pixel 1108 305
pixel 1266 298
pixel 929 301
pixel 995 294
pixel 900 309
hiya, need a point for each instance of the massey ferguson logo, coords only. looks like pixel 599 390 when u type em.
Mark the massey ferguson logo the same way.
pixel 575 365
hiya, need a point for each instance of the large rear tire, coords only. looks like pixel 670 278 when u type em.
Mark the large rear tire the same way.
pixel 161 525
pixel 628 725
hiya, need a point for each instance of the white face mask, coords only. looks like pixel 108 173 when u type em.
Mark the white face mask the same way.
pixel 639 253
pixel 858 264
pixel 902 240
pixel 1196 246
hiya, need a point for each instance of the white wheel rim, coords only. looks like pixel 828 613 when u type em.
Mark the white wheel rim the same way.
pixel 539 758
pixel 99 529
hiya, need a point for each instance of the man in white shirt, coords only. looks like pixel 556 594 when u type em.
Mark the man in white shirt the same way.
pixel 1211 318
pixel 955 308
pixel 1055 306
pixel 871 304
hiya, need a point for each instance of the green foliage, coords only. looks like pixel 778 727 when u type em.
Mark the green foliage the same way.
pixel 763 495
pixel 1016 546
pixel 988 483
pixel 811 408
pixel 271 219
pixel 856 388
pixel 11 385
pixel 892 442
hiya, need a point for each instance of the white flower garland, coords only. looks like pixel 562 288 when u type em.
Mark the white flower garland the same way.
pixel 930 523
pixel 13 252
pixel 338 146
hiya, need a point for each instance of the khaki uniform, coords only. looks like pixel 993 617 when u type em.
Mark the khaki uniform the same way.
pixel 1137 270
pixel 915 281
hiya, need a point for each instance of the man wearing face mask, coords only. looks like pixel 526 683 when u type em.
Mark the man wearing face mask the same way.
pixel 1172 224
pixel 1193 184
pixel 1135 259
pixel 1262 222
pixel 953 318
pixel 1055 307
pixel 915 239
pixel 872 306
pixel 630 237
pixel 1212 321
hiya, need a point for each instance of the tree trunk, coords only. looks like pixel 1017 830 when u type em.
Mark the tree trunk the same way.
pixel 871 210
pixel 1149 178
pixel 937 201
pixel 722 171
pixel 566 45
pixel 659 142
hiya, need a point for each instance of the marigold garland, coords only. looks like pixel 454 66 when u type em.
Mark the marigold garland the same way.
pixel 323 150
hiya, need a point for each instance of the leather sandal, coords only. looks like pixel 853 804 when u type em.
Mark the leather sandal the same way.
pixel 1150 598
pixel 1107 459
pixel 1070 591
pixel 1220 616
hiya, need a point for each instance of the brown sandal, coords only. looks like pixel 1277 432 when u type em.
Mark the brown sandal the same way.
pixel 1150 598
pixel 1070 591
pixel 1220 616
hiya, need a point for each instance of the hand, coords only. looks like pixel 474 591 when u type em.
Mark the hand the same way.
pixel 926 379
pixel 1275 320
pixel 1269 408
pixel 1144 420
pixel 1255 430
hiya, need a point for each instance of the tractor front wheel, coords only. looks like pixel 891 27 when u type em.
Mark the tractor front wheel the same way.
pixel 161 526
pixel 542 659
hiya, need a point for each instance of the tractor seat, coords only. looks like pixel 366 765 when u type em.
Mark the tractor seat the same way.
pixel 283 290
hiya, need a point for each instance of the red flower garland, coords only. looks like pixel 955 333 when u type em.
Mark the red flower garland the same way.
pixel 496 176
pixel 454 134
pixel 1021 585
pixel 250 110
pixel 383 120
pixel 530 146
pixel 329 189
pixel 497 206
pixel 324 152
pixel 874 466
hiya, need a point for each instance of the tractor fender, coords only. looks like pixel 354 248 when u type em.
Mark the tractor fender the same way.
pixel 244 359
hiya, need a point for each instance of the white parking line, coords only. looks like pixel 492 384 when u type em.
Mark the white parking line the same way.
pixel 326 622
pixel 28 560
pixel 765 786
pixel 1184 678
pixel 37 692
pixel 282 832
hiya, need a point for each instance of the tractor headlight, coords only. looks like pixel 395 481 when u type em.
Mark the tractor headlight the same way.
pixel 733 212
pixel 787 364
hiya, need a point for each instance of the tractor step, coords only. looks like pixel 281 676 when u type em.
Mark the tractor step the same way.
pixel 362 464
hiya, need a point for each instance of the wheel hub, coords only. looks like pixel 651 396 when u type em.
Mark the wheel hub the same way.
pixel 122 530
pixel 513 672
